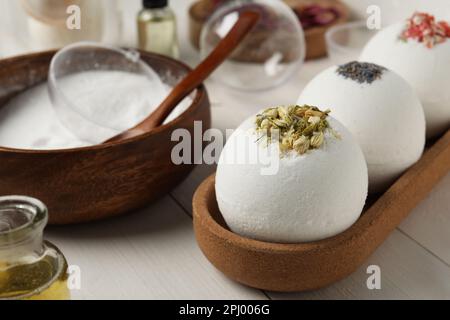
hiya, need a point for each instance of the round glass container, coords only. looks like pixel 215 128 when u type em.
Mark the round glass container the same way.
pixel 30 268
pixel 99 114
pixel 271 53
pixel 345 42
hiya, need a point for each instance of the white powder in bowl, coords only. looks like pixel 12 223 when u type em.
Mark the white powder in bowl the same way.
pixel 119 99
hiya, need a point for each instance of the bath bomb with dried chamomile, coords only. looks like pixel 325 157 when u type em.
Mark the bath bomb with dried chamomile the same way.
pixel 381 110
pixel 313 187
pixel 418 49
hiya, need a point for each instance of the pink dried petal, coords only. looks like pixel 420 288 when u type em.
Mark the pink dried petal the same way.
pixel 325 18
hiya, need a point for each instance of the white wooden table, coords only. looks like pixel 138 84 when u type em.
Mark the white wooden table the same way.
pixel 152 254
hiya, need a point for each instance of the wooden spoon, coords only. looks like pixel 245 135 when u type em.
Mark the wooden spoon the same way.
pixel 226 46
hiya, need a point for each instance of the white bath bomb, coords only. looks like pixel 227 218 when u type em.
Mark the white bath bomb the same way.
pixel 426 69
pixel 310 197
pixel 385 116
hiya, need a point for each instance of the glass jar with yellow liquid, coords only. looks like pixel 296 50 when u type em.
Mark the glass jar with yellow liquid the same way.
pixel 30 268
pixel 157 28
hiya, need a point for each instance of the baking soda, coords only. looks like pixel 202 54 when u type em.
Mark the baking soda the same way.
pixel 117 99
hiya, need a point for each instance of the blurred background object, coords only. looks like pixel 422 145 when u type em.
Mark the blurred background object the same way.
pixel 157 28
pixel 316 16
pixel 35 25
pixel 118 20
pixel 346 41
pixel 13 35
pixel 271 53
pixel 395 10
pixel 47 22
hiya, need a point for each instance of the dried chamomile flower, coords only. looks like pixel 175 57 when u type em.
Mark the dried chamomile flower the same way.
pixel 300 128
pixel 317 140
pixel 265 124
pixel 314 119
pixel 286 143
pixel 301 145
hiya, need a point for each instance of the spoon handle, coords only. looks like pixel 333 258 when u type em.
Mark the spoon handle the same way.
pixel 245 23
pixel 247 20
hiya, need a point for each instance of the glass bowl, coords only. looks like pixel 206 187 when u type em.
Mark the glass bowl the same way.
pixel 96 109
pixel 345 42
pixel 271 53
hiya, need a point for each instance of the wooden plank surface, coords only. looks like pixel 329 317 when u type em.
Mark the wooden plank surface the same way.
pixel 150 254
pixel 407 272
pixel 429 223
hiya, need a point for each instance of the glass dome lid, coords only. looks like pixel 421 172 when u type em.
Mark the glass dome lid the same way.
pixel 271 53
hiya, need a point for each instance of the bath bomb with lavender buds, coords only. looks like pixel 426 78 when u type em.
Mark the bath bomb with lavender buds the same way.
pixel 419 51
pixel 316 187
pixel 381 110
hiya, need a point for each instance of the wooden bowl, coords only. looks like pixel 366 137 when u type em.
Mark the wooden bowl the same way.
pixel 316 47
pixel 92 183
pixel 309 266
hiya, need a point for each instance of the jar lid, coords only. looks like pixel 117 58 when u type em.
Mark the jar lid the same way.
pixel 20 215
pixel 155 4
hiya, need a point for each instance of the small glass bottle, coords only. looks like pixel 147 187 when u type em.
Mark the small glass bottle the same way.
pixel 157 28
pixel 30 268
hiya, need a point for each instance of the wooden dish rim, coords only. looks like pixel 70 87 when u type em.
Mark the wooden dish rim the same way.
pixel 201 210
pixel 200 93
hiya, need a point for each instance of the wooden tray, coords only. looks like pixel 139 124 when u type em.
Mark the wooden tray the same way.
pixel 309 266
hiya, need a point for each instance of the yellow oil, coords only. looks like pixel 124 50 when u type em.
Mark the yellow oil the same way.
pixel 157 32
pixel 42 280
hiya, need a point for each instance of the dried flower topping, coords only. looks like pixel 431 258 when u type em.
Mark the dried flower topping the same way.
pixel 361 72
pixel 300 128
pixel 423 28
